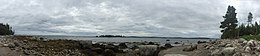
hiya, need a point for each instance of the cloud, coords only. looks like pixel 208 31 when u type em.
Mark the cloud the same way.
pixel 124 17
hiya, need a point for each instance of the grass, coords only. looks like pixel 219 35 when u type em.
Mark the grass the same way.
pixel 251 37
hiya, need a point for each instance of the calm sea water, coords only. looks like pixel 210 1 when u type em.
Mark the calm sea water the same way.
pixel 116 39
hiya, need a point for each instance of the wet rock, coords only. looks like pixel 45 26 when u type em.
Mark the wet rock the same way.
pixel 229 51
pixel 177 43
pixel 85 44
pixel 168 45
pixel 109 52
pixel 190 48
pixel 151 43
pixel 122 45
pixel 199 42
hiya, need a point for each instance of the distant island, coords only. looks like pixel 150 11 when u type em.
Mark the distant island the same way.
pixel 110 36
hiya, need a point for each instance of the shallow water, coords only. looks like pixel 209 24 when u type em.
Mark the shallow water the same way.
pixel 117 39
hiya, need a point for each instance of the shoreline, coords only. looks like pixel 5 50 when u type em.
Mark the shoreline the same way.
pixel 31 46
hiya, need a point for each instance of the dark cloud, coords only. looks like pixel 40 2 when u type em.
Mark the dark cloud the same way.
pixel 126 17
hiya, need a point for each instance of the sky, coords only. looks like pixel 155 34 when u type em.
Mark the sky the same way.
pixel 185 18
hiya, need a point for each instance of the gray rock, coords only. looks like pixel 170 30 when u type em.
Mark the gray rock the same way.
pixel 11 45
pixel 237 54
pixel 251 43
pixel 216 53
pixel 190 48
pixel 109 52
pixel 5 45
pixel 222 45
pixel 247 49
pixel 86 44
pixel 229 45
pixel 229 51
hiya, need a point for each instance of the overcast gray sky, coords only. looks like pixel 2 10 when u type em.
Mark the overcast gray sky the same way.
pixel 124 17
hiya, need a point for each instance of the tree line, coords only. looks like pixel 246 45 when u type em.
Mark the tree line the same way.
pixel 5 29
pixel 231 29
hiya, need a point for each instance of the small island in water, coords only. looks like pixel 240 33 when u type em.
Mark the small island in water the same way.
pixel 110 36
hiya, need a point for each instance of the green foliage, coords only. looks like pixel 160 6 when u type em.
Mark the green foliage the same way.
pixel 5 29
pixel 229 24
pixel 251 37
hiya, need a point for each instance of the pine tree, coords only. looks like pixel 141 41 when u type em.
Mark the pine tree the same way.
pixel 229 24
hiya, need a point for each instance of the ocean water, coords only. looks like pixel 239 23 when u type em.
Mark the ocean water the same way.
pixel 118 39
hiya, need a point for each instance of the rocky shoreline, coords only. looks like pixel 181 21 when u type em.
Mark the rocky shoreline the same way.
pixel 36 46
pixel 222 47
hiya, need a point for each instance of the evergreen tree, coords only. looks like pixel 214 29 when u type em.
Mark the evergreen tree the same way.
pixel 5 29
pixel 229 24
pixel 250 17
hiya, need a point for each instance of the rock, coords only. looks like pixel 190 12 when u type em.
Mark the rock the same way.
pixel 25 41
pixel 168 45
pixel 17 44
pixel 27 52
pixel 251 43
pixel 177 43
pixel 122 45
pixel 147 50
pixel 98 50
pixel 85 44
pixel 216 53
pixel 190 48
pixel 109 52
pixel 5 45
pixel 199 42
pixel 229 51
pixel 175 55
pixel 151 43
pixel 222 45
pixel 11 45
pixel 237 54
pixel 241 40
pixel 229 45
pixel 257 49
pixel 247 49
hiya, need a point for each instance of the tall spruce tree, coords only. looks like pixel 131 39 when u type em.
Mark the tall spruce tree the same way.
pixel 229 24
pixel 249 18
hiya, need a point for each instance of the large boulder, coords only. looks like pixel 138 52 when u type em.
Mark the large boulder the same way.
pixel 190 48
pixel 229 51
